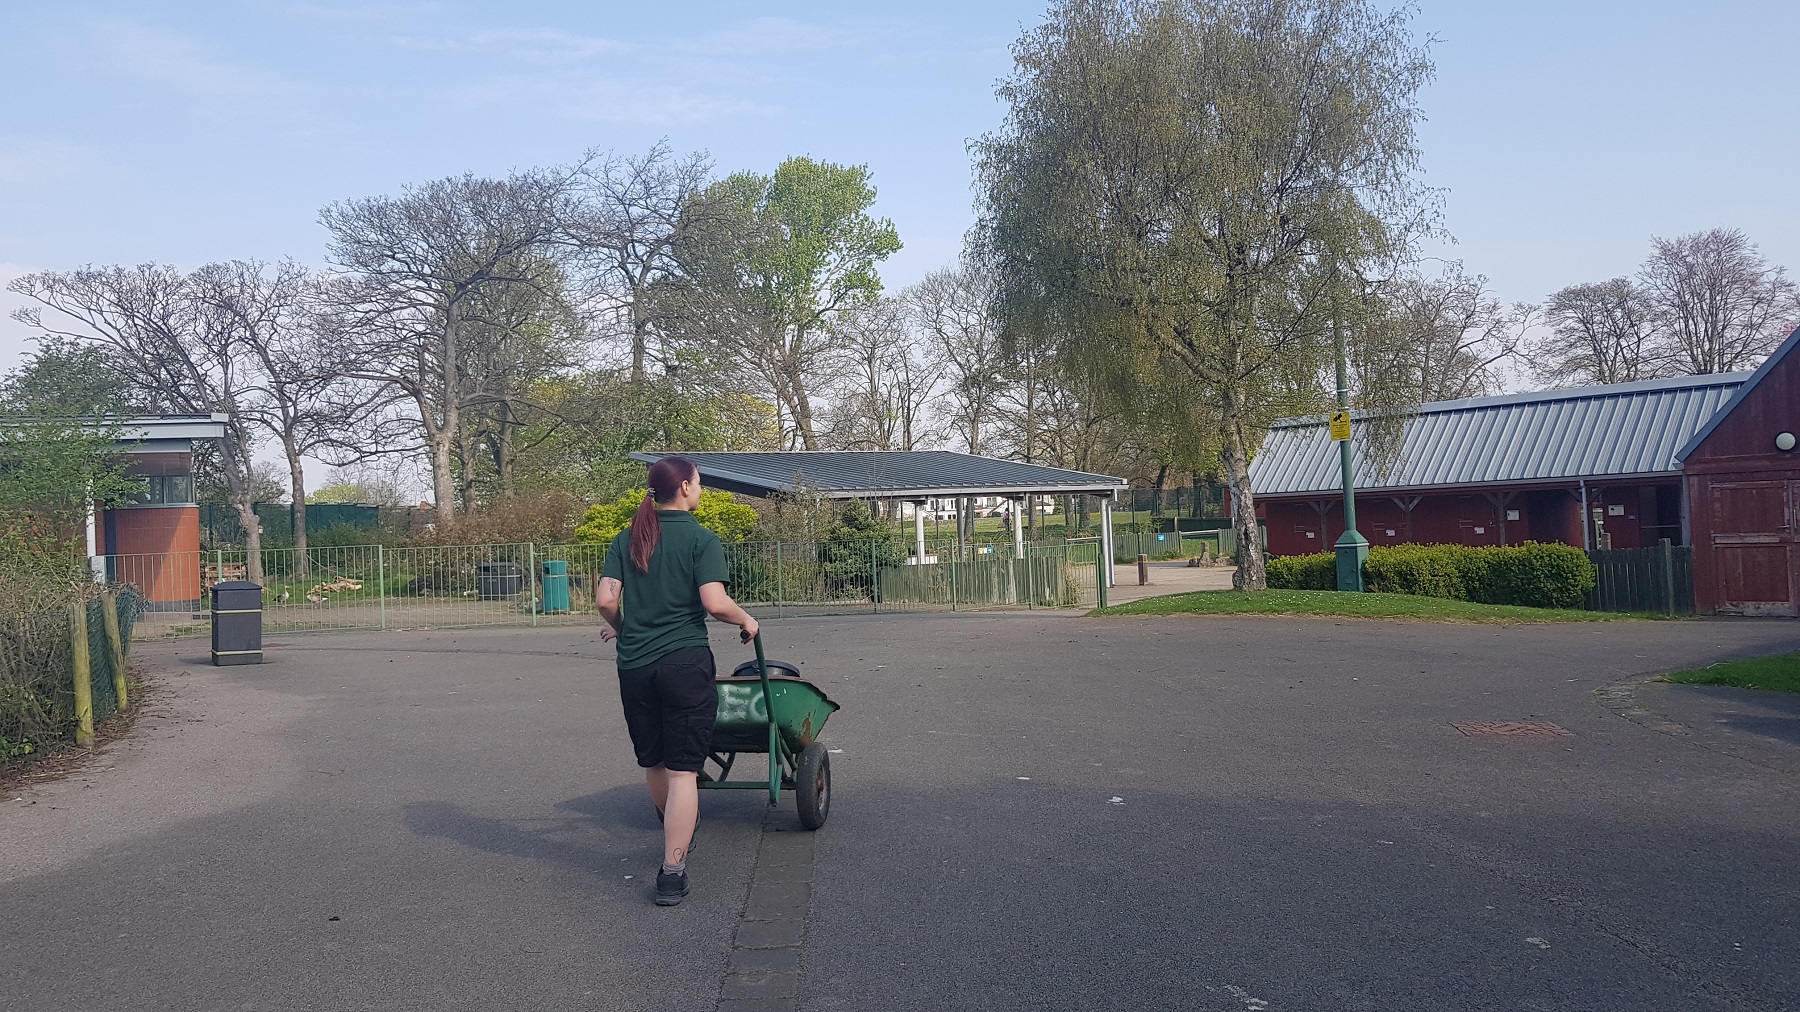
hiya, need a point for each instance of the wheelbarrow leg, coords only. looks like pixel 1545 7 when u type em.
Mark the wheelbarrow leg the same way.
pixel 762 667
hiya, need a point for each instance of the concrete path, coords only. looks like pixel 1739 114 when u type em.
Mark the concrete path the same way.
pixel 1166 578
pixel 1031 811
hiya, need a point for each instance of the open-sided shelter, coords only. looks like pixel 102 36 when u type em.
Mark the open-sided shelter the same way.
pixel 911 476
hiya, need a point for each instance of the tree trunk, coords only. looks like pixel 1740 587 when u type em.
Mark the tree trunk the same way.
pixel 640 331
pixel 297 487
pixel 1249 574
pixel 803 415
pixel 503 448
pixel 465 453
pixel 442 483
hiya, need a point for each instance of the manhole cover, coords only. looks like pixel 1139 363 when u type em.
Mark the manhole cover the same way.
pixel 1511 729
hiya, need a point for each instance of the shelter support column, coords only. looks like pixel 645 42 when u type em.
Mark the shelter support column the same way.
pixel 96 564
pixel 1106 537
pixel 919 531
pixel 1018 526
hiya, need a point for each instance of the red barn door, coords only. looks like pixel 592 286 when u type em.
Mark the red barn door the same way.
pixel 1756 546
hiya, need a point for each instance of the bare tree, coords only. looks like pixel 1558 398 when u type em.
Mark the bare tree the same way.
pixel 421 262
pixel 1723 306
pixel 1600 333
pixel 1445 337
pixel 518 335
pixel 886 382
pixel 302 396
pixel 182 353
pixel 626 222
pixel 954 310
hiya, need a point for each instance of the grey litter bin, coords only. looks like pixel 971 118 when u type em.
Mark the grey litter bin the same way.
pixel 497 581
pixel 237 607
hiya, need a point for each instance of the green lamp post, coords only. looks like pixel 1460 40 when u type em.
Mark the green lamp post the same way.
pixel 1352 547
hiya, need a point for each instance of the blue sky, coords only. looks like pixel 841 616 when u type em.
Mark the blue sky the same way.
pixel 1564 134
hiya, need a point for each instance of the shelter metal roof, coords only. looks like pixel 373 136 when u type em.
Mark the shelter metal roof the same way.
pixel 161 427
pixel 1545 437
pixel 886 474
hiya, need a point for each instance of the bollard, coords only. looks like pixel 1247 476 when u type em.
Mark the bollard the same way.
pixel 82 668
pixel 109 613
pixel 1143 570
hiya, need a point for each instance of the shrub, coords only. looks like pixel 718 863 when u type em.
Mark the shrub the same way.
pixel 1422 570
pixel 543 519
pixel 1303 572
pixel 1536 574
pixel 855 548
pixel 719 512
pixel 1533 574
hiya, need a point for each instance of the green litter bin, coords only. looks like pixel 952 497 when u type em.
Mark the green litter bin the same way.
pixel 556 586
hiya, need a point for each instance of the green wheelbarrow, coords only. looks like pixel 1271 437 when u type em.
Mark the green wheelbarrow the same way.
pixel 798 761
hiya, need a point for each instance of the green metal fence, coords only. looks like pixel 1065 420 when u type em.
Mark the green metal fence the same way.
pixel 376 587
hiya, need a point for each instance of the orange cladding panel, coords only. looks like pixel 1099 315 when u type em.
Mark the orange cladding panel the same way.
pixel 157 548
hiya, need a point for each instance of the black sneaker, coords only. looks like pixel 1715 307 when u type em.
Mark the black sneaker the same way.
pixel 671 888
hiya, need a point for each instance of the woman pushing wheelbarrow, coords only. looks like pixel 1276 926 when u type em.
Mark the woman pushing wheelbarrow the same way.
pixel 662 577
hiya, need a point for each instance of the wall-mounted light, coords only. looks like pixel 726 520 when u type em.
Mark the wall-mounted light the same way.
pixel 1784 441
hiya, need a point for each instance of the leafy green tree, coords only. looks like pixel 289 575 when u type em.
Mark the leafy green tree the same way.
pixel 779 259
pixel 1195 187
pixel 50 470
pixel 66 378
pixel 718 512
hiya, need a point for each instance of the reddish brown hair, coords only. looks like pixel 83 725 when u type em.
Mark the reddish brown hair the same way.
pixel 666 476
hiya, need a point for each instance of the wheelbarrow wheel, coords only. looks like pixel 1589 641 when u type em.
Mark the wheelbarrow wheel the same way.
pixel 812 785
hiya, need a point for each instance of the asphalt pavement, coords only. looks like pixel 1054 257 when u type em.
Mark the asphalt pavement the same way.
pixel 1031 811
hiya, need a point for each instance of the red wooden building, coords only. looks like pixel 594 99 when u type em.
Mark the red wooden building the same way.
pixel 1743 495
pixel 1592 466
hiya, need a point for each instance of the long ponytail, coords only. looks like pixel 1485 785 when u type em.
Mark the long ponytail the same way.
pixel 666 476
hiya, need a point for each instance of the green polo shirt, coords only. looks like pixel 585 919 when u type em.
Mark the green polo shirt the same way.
pixel 662 610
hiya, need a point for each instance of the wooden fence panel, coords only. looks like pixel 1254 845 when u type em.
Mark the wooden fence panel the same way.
pixel 1658 579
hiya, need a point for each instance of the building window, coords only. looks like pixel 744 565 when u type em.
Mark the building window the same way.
pixel 166 490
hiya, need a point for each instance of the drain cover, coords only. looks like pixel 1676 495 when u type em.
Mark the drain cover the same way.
pixel 1511 729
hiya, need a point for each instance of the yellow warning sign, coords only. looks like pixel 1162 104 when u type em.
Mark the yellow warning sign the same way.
pixel 1340 425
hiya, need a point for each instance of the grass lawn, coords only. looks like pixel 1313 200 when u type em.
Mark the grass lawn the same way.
pixel 1348 605
pixel 1781 672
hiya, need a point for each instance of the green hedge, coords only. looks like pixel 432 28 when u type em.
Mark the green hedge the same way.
pixel 1303 572
pixel 1532 574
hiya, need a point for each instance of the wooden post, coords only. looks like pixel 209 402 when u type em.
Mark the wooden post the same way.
pixel 84 674
pixel 1143 570
pixel 1666 556
pixel 109 612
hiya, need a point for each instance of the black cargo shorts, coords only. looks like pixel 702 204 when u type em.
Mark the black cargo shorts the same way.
pixel 670 704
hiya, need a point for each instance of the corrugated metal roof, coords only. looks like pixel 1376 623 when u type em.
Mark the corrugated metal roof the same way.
pixel 886 474
pixel 1546 436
